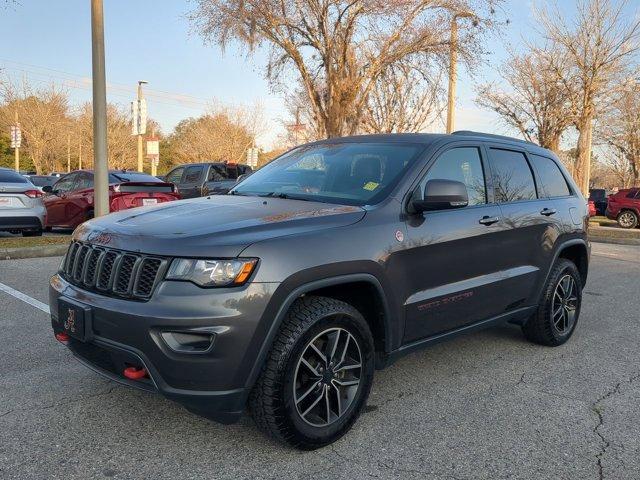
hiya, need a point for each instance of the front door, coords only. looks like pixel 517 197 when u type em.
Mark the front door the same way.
pixel 451 271
pixel 192 181
pixel 56 201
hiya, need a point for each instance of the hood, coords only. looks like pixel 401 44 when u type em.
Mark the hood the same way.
pixel 220 225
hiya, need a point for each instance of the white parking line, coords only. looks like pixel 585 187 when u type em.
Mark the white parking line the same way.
pixel 25 298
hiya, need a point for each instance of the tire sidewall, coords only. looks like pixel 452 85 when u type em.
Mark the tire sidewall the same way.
pixel 307 435
pixel 563 269
pixel 633 224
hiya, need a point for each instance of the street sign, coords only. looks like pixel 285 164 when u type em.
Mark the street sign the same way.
pixel 252 157
pixel 16 136
pixel 153 147
pixel 139 117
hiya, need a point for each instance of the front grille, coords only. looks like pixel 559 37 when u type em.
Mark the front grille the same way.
pixel 113 272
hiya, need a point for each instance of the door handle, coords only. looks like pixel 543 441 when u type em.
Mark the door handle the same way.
pixel 486 220
pixel 548 212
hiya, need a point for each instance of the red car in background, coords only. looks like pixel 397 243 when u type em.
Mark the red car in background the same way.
pixel 624 207
pixel 69 201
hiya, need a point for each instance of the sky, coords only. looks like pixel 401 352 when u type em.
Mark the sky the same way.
pixel 45 41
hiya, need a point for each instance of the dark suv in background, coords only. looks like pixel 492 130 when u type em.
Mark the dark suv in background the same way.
pixel 200 179
pixel 332 261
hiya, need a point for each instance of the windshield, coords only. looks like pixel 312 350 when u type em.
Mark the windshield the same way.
pixel 344 173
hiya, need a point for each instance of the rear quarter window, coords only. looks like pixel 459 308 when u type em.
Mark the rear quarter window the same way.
pixel 552 181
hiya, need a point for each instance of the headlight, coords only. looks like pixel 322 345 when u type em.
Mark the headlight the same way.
pixel 212 273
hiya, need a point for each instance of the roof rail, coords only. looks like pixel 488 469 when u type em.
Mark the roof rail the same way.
pixel 490 135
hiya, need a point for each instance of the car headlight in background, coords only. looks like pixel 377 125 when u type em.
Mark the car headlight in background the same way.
pixel 212 273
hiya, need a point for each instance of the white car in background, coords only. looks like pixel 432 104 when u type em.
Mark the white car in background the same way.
pixel 21 207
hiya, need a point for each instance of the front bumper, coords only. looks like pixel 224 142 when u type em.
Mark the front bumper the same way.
pixel 121 333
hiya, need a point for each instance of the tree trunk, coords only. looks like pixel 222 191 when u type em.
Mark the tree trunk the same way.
pixel 583 153
pixel 553 144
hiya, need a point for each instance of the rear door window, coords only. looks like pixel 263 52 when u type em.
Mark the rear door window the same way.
pixel 85 180
pixel 552 181
pixel 512 177
pixel 217 173
pixel 193 174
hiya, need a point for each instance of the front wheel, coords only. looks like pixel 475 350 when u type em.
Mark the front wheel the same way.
pixel 559 309
pixel 318 375
pixel 628 219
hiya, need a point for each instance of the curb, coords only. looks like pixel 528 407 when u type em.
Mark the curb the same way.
pixel 614 240
pixel 33 252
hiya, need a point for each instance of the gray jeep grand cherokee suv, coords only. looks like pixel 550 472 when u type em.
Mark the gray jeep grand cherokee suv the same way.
pixel 332 261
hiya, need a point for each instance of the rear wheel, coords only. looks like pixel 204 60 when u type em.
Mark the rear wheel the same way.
pixel 318 375
pixel 627 219
pixel 557 316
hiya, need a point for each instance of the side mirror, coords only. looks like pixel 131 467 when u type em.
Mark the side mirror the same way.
pixel 442 195
pixel 47 189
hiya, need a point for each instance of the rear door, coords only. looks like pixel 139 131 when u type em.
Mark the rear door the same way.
pixel 450 268
pixel 529 226
pixel 192 181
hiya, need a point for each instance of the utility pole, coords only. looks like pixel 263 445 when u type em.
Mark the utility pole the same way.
pixel 141 128
pixel 453 68
pixel 17 147
pixel 80 155
pixel 68 152
pixel 101 169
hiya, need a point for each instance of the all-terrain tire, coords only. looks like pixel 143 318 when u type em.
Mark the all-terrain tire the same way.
pixel 543 327
pixel 272 404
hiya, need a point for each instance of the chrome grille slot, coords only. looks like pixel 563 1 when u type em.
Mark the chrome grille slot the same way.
pixel 112 272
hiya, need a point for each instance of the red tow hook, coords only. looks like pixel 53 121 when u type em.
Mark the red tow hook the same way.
pixel 135 373
pixel 62 337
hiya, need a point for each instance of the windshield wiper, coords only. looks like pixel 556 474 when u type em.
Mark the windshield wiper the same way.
pixel 286 196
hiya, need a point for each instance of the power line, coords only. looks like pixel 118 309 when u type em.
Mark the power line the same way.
pixel 180 99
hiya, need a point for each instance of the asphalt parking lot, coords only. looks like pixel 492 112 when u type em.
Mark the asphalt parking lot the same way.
pixel 487 405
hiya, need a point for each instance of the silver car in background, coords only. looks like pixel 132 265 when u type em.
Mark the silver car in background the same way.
pixel 21 207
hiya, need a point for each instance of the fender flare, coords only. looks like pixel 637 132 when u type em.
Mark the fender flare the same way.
pixel 561 247
pixel 294 295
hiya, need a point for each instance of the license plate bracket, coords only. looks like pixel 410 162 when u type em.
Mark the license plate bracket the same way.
pixel 74 318
pixel 149 201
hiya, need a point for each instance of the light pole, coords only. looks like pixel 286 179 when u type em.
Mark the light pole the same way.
pixel 453 68
pixel 101 169
pixel 141 128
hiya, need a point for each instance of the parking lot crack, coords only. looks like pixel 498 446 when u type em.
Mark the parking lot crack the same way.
pixel 598 409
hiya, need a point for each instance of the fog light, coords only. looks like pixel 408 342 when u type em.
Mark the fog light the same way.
pixel 188 342
pixel 62 337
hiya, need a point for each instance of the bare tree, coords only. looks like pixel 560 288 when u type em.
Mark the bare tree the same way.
pixel 44 120
pixel 404 99
pixel 601 44
pixel 535 101
pixel 223 135
pixel 338 48
pixel 620 129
